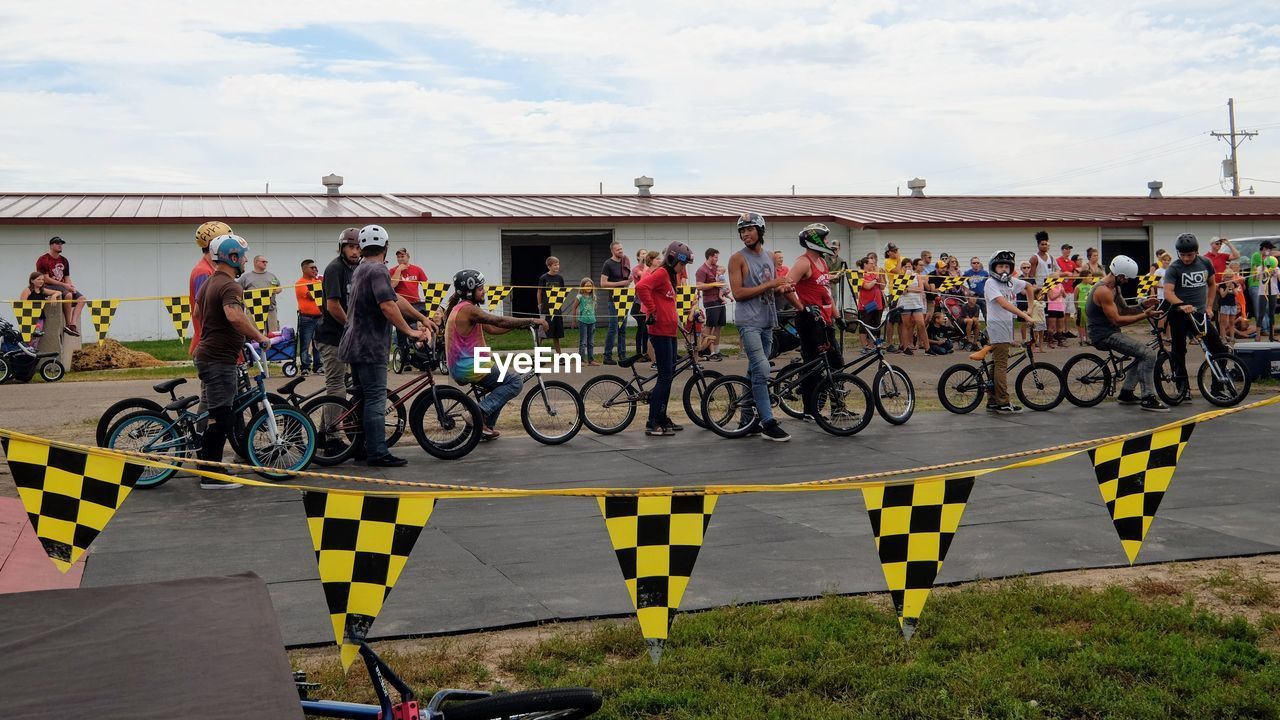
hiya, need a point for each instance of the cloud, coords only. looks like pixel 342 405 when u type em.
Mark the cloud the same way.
pixel 834 97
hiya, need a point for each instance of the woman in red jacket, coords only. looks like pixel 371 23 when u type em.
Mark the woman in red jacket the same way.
pixel 657 294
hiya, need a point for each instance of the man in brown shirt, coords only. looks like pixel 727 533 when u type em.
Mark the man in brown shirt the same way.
pixel 225 328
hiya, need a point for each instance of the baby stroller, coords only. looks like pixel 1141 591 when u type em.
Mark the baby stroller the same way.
pixel 950 306
pixel 19 361
pixel 284 351
pixel 785 336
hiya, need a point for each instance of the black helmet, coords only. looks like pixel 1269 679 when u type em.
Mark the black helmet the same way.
pixel 814 237
pixel 465 282
pixel 677 254
pixel 750 219
pixel 1002 257
pixel 1186 242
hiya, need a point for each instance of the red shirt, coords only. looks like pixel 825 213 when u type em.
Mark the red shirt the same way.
pixel 1067 266
pixel 56 268
pixel 408 287
pixel 876 293
pixel 658 298
pixel 199 274
pixel 707 275
pixel 814 290
pixel 1219 261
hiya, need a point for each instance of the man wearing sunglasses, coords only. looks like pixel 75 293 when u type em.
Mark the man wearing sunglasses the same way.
pixel 1188 284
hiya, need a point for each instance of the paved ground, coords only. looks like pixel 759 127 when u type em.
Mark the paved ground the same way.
pixel 492 563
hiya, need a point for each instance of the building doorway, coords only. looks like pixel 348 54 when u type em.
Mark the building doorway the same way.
pixel 524 260
pixel 1134 242
pixel 528 263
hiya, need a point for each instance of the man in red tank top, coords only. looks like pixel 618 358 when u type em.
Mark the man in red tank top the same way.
pixel 812 297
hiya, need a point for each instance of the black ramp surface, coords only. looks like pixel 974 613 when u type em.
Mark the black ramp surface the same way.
pixel 204 648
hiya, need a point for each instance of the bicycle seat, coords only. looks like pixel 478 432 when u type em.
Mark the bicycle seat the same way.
pixel 628 362
pixel 289 387
pixel 182 403
pixel 168 385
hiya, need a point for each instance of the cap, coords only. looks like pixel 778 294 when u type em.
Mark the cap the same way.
pixel 1067 246
pixel 889 247
pixel 57 240
pixel 402 251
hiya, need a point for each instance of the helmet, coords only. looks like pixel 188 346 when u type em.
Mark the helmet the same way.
pixel 677 254
pixel 750 219
pixel 210 230
pixel 350 236
pixel 223 247
pixel 814 237
pixel 1270 262
pixel 466 281
pixel 373 236
pixel 1186 242
pixel 1123 266
pixel 1002 257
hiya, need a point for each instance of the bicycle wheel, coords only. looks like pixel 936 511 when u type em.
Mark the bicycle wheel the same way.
pixel 895 396
pixel 119 410
pixel 608 404
pixel 789 393
pixel 1168 386
pixel 693 391
pixel 724 405
pixel 552 413
pixel 446 422
pixel 842 404
pixel 52 371
pixel 1039 386
pixel 1086 380
pixel 1231 384
pixel 293 448
pixel 961 388
pixel 4 378
pixel 337 427
pixel 395 420
pixel 146 432
pixel 544 704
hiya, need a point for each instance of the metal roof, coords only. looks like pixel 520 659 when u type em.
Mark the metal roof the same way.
pixel 859 211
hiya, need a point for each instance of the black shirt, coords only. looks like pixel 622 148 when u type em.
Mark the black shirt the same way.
pixel 336 285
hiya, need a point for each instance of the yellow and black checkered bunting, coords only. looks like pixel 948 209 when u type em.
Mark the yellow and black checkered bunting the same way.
pixel 555 299
pixel 1146 284
pixel 362 543
pixel 656 540
pixel 686 298
pixel 1133 477
pixel 951 282
pixel 179 307
pixel 316 291
pixel 434 294
pixel 27 313
pixel 494 295
pixel 69 495
pixel 897 285
pixel 855 278
pixel 913 526
pixel 623 297
pixel 257 302
pixel 1048 284
pixel 101 313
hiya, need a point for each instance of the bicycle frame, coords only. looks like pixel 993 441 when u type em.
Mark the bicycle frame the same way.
pixel 635 386
pixel 876 356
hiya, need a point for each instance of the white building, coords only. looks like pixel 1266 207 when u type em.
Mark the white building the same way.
pixel 143 245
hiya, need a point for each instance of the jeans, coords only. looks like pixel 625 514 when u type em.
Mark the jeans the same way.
pixel 1179 328
pixel 587 341
pixel 642 335
pixel 218 385
pixel 616 330
pixel 1266 313
pixel 497 395
pixel 1000 373
pixel 1251 294
pixel 664 352
pixel 1143 375
pixel 308 351
pixel 757 343
pixel 371 384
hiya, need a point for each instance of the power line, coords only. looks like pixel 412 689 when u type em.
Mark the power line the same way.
pixel 1235 144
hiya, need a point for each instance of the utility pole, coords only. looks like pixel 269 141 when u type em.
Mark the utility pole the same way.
pixel 1231 138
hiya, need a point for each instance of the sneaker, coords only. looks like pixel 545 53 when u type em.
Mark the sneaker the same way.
pixel 318 371
pixel 992 408
pixel 658 430
pixel 73 332
pixel 489 434
pixel 1127 397
pixel 610 361
pixel 387 460
pixel 1151 403
pixel 773 431
pixel 716 356
pixel 211 484
pixel 1009 409
pixel 672 425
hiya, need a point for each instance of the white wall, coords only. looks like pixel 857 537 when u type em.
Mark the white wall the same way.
pixel 1164 233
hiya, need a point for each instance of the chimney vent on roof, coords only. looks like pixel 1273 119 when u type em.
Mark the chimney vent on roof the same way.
pixel 1154 186
pixel 916 186
pixel 643 183
pixel 332 183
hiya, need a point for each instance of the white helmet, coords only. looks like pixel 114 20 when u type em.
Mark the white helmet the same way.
pixel 1123 266
pixel 373 236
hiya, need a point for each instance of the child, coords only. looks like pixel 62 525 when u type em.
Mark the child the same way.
pixel 1082 299
pixel 971 315
pixel 939 336
pixel 1001 290
pixel 1056 313
pixel 1227 308
pixel 555 322
pixel 584 309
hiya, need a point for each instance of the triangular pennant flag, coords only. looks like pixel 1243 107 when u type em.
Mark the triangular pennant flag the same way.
pixel 950 282
pixel 495 294
pixel 555 299
pixel 897 285
pixel 1133 477
pixel 1048 285
pixel 855 278
pixel 435 293
pixel 70 495
pixel 656 539
pixel 913 526
pixel 1146 284
pixel 686 295
pixel 28 313
pixel 257 302
pixel 362 543
pixel 623 297
pixel 316 291
pixel 179 307
pixel 101 313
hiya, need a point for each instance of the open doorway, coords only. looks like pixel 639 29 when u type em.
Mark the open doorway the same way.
pixel 528 263
pixel 1134 242
pixel 524 259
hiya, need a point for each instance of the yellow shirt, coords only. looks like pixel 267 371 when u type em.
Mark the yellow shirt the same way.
pixel 890 264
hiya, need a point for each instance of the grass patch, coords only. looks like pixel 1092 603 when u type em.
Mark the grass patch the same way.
pixel 1231 586
pixel 153 373
pixel 166 350
pixel 1018 649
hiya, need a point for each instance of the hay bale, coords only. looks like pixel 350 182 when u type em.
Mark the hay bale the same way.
pixel 110 355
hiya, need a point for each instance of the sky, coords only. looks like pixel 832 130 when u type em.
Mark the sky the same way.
pixel 987 97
